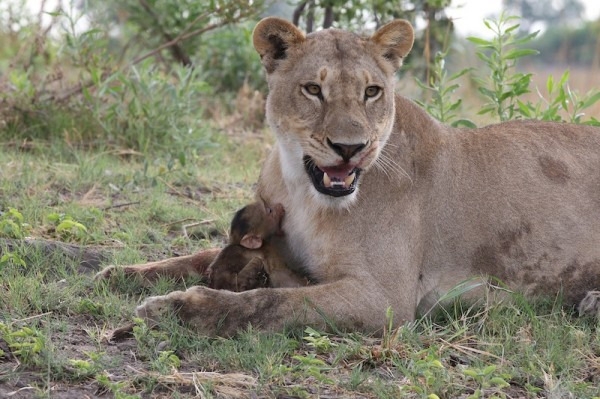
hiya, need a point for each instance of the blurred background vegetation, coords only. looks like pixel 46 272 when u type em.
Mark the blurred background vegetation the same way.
pixel 145 75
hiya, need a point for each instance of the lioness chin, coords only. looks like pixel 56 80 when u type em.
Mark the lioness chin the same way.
pixel 385 207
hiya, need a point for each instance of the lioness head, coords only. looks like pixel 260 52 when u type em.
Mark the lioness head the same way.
pixel 331 102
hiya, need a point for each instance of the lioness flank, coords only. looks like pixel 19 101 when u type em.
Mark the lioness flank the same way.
pixel 386 207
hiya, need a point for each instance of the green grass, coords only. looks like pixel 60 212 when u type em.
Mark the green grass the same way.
pixel 53 319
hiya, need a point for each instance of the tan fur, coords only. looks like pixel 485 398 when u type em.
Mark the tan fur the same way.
pixel 435 206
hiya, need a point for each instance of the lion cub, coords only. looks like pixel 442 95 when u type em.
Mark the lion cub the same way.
pixel 251 259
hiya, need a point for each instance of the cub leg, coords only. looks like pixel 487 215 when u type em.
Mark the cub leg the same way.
pixel 249 277
pixel 178 268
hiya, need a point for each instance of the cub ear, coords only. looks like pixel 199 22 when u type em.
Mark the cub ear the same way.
pixel 251 241
pixel 395 39
pixel 272 37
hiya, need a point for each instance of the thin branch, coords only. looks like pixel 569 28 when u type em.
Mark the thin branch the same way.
pixel 184 35
pixel 177 51
pixel 310 16
pixel 329 17
pixel 298 12
pixel 120 205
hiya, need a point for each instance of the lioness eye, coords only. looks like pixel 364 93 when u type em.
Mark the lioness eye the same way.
pixel 372 91
pixel 313 89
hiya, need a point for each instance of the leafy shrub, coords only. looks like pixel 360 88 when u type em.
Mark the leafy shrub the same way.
pixel 114 83
pixel 503 87
pixel 228 60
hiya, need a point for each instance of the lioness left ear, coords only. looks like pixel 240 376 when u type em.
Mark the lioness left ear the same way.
pixel 251 241
pixel 272 37
pixel 395 39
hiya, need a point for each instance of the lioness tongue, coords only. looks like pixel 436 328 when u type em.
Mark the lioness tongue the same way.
pixel 338 180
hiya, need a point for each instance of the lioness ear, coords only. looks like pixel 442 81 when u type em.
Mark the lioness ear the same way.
pixel 251 241
pixel 396 39
pixel 272 37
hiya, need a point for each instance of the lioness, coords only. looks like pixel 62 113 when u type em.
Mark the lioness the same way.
pixel 386 207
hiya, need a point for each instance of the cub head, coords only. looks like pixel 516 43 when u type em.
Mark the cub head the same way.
pixel 330 103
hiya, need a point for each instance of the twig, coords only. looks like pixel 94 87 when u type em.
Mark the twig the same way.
pixel 176 222
pixel 37 316
pixel 13 393
pixel 467 350
pixel 200 223
pixel 120 205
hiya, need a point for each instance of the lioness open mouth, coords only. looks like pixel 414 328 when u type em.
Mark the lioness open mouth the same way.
pixel 336 181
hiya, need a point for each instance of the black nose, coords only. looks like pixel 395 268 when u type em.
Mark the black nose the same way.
pixel 346 151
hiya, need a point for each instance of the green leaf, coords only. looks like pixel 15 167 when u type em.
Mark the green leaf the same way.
pixel 526 38
pixel 564 78
pixel 550 84
pixel 486 110
pixel 464 123
pixel 590 101
pixel 499 382
pixel 524 108
pixel 487 92
pixel 512 28
pixel 471 373
pixel 518 53
pixel 479 41
pixel 460 73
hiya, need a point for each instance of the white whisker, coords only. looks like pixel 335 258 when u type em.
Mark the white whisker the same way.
pixel 390 167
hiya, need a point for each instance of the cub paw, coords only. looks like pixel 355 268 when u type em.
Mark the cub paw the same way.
pixel 590 305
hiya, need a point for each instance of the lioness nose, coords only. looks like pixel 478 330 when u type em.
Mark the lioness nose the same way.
pixel 346 151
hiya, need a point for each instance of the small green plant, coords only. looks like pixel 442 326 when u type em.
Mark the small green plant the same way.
pixel 116 388
pixel 67 227
pixel 310 365
pixel 12 225
pixel 503 86
pixel 166 362
pixel 89 307
pixel 315 339
pixel 427 375
pixel 26 343
pixel 441 87
pixel 488 381
pixel 83 368
pixel 561 102
pixel 12 258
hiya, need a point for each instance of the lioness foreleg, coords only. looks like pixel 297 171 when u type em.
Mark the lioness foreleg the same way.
pixel 590 305
pixel 218 312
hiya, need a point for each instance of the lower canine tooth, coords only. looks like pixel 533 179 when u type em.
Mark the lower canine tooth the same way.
pixel 326 180
pixel 349 179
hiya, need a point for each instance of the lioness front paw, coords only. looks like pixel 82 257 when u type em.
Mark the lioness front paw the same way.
pixel 154 307
pixel 590 305
pixel 106 273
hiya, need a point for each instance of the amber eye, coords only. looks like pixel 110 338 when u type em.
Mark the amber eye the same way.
pixel 372 91
pixel 313 89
